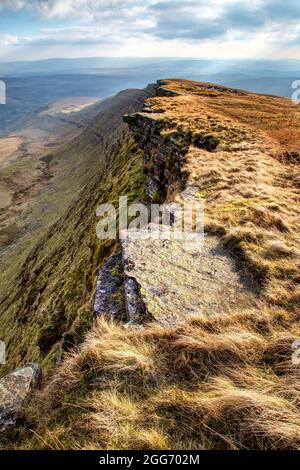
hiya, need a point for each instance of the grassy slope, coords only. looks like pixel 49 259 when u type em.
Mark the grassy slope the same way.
pixel 221 382
pixel 48 281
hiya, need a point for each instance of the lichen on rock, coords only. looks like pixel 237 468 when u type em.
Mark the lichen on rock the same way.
pixel 174 278
pixel 109 299
pixel 14 389
pixel 164 153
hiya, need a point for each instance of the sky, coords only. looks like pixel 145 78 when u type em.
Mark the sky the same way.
pixel 40 29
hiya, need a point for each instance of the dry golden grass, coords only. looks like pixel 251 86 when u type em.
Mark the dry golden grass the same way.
pixel 224 382
pixel 250 182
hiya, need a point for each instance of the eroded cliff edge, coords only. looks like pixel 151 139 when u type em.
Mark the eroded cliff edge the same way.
pixel 237 153
pixel 200 143
pixel 169 279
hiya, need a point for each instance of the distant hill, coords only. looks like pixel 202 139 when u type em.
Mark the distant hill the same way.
pixel 31 85
pixel 254 68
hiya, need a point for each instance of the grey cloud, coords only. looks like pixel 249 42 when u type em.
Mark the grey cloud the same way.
pixel 61 8
pixel 167 19
pixel 187 27
pixel 185 19
pixel 278 10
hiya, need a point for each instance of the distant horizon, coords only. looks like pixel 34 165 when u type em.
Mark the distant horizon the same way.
pixel 131 57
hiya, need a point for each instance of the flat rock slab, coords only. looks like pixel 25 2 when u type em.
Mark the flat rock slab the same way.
pixel 169 279
pixel 14 388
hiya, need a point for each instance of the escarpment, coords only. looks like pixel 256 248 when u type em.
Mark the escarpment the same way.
pixel 163 154
pixel 168 278
pixel 224 147
pixel 49 307
pixel 198 149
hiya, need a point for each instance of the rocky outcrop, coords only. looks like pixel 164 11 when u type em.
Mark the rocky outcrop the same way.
pixel 109 299
pixel 14 389
pixel 134 302
pixel 168 278
pixel 163 90
pixel 164 154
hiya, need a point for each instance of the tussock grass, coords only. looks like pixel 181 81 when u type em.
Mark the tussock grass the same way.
pixel 221 383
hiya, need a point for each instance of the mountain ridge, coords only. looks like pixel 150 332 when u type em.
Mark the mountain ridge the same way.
pixel 206 382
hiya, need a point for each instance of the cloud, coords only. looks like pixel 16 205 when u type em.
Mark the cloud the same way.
pixel 160 22
pixel 193 19
pixel 8 40
pixel 83 8
pixel 61 9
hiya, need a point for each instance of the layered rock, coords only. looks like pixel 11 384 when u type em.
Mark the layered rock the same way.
pixel 167 278
pixel 164 155
pixel 109 299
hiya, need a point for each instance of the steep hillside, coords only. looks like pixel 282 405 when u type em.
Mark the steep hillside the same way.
pixel 48 276
pixel 223 375
pixel 26 168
